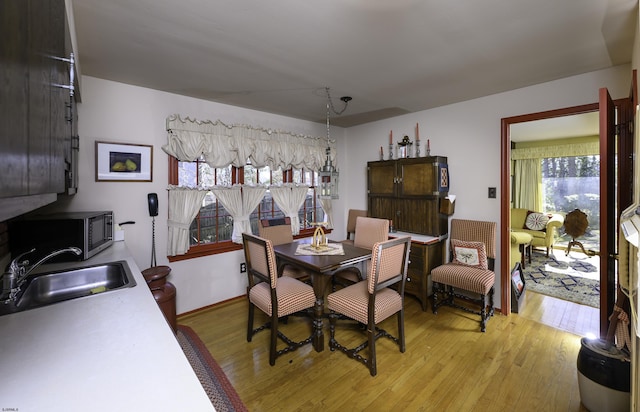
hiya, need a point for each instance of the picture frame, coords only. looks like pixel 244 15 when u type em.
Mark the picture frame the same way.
pixel 124 162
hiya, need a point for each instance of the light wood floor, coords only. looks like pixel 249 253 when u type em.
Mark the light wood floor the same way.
pixel 449 365
pixel 561 314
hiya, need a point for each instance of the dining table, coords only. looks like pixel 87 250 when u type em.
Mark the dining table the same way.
pixel 321 267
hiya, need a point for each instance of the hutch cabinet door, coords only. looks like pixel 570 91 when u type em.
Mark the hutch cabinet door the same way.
pixel 381 178
pixel 417 178
pixel 421 215
pixel 383 208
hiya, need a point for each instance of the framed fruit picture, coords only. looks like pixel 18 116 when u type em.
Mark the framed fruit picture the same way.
pixel 123 162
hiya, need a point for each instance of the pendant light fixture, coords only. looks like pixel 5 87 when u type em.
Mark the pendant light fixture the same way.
pixel 328 175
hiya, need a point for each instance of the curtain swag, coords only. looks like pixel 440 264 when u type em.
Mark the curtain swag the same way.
pixel 575 149
pixel 224 145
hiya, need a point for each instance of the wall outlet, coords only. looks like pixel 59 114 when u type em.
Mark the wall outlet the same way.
pixel 243 267
pixel 492 193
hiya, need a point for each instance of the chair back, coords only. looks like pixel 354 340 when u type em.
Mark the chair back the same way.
pixel 277 230
pixel 369 231
pixel 351 220
pixel 389 263
pixel 475 231
pixel 261 260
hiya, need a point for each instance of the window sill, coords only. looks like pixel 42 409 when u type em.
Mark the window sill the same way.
pixel 224 247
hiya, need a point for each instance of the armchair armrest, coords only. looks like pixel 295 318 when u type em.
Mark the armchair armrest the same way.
pixel 555 222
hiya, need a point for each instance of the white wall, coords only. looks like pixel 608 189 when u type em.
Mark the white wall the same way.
pixel 468 133
pixel 116 112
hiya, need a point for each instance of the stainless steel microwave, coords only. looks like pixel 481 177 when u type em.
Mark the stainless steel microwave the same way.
pixel 90 231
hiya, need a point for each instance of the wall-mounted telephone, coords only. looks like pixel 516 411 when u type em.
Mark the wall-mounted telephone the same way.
pixel 153 204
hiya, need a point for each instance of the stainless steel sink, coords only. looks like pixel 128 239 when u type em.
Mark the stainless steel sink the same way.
pixel 53 287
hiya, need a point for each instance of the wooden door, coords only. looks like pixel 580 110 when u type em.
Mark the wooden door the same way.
pixel 616 188
pixel 608 212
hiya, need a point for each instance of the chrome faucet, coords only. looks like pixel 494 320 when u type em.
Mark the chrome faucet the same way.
pixel 16 274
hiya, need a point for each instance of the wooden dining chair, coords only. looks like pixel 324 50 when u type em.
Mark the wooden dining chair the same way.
pixel 368 231
pixel 469 275
pixel 371 301
pixel 275 296
pixel 278 231
pixel 351 223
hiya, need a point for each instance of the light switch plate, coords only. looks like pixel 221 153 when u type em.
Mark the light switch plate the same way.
pixel 492 193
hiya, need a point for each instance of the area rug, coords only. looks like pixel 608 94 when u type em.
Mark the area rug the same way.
pixel 215 383
pixel 575 278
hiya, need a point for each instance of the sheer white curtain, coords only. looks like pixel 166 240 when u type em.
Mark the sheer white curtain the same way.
pixel 289 198
pixel 240 202
pixel 327 206
pixel 184 205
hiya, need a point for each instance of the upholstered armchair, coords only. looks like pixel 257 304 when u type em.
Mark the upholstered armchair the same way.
pixel 543 227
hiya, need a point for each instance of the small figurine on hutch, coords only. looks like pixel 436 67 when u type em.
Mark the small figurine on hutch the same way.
pixel 404 147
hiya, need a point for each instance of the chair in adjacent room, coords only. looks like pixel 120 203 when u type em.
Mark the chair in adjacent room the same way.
pixel 543 227
pixel 278 231
pixel 371 301
pixel 471 269
pixel 351 223
pixel 276 296
pixel 368 231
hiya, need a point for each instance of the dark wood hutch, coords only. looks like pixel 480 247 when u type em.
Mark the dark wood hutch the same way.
pixel 410 193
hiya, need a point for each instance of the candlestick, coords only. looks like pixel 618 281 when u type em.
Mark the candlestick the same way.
pixel 390 151
pixel 428 147
pixel 381 154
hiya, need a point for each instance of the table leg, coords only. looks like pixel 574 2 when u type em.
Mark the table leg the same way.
pixel 525 251
pixel 320 283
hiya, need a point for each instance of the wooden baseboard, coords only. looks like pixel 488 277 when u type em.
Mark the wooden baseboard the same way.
pixel 212 306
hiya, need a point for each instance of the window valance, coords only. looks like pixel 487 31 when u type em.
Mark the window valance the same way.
pixel 573 149
pixel 224 145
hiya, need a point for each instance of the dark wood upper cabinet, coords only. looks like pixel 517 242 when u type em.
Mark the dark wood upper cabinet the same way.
pixel 409 192
pixel 36 102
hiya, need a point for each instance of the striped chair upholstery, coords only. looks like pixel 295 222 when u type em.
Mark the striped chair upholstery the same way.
pixel 351 223
pixel 450 277
pixel 372 300
pixel 275 296
pixel 278 231
pixel 369 231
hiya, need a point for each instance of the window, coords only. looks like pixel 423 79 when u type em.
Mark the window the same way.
pixel 211 230
pixel 570 183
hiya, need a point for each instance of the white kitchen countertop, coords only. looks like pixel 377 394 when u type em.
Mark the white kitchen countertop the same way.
pixel 424 239
pixel 112 351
